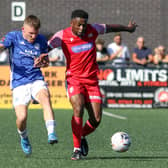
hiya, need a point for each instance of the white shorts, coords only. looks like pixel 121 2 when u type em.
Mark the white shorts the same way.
pixel 23 94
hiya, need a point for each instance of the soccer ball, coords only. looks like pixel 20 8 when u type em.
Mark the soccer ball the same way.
pixel 120 142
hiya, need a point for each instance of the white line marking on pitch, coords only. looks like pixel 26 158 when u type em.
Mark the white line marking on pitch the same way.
pixel 114 115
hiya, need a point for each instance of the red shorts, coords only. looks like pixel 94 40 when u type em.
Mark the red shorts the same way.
pixel 91 92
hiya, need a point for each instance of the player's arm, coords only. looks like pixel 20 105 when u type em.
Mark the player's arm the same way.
pixel 107 28
pixel 41 61
pixel 118 28
pixel 54 42
pixel 7 41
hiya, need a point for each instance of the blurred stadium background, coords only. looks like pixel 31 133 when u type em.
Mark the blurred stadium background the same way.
pixel 151 16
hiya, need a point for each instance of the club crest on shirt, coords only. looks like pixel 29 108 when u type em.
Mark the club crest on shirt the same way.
pixel 71 89
pixel 71 39
pixel 22 43
pixel 37 46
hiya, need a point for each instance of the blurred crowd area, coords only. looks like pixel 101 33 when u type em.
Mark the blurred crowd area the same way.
pixel 116 54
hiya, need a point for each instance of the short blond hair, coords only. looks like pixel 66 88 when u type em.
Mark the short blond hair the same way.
pixel 33 21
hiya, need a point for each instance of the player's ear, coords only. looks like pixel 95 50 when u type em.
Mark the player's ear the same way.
pixel 22 28
pixel 71 23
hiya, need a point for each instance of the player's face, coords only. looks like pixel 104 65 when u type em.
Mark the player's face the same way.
pixel 79 26
pixel 29 33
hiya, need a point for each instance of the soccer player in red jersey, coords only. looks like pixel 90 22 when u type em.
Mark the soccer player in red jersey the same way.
pixel 78 44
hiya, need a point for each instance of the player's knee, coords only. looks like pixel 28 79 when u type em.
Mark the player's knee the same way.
pixel 98 119
pixel 95 122
pixel 22 118
pixel 78 110
pixel 42 95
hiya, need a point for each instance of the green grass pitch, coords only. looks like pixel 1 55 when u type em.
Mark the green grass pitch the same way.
pixel 148 130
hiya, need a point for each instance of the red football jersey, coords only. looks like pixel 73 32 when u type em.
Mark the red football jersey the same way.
pixel 80 52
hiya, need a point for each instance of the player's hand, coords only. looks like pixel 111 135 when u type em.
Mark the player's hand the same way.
pixel 132 26
pixel 41 61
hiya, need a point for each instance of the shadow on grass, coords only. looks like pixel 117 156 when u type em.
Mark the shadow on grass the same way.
pixel 130 158
pixel 133 158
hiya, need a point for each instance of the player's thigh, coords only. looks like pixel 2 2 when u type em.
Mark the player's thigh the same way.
pixel 94 102
pixel 78 101
pixel 21 95
pixel 21 100
pixel 93 93
pixel 40 92
pixel 94 110
pixel 76 95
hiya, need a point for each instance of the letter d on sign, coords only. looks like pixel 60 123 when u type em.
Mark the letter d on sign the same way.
pixel 18 11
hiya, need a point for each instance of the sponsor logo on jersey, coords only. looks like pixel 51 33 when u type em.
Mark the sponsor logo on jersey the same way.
pixel 29 53
pixel 37 46
pixel 22 43
pixel 83 47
